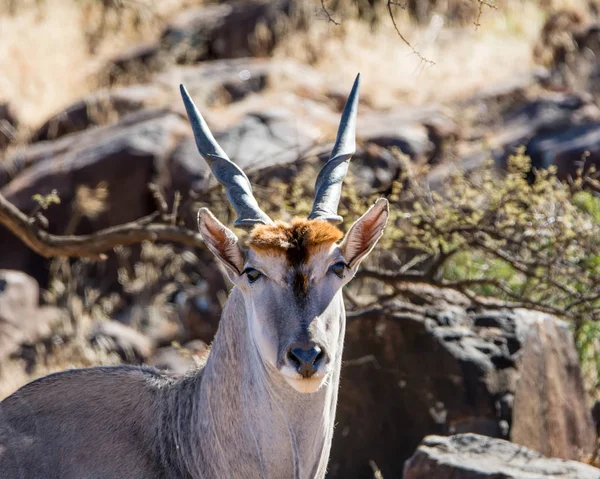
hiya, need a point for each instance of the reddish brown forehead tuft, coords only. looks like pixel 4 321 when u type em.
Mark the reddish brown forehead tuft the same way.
pixel 297 240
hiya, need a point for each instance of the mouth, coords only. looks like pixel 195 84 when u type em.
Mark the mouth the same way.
pixel 305 385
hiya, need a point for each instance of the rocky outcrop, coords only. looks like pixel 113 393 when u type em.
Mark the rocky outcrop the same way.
pixel 99 108
pixel 135 64
pixel 124 156
pixel 411 371
pixel 231 30
pixel 132 346
pixel 22 319
pixel 425 134
pixel 181 359
pixel 570 149
pixel 222 82
pixel 556 129
pixel 9 123
pixel 470 456
pixel 549 412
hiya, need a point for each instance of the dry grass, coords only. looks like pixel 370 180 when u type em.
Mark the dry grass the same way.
pixel 465 59
pixel 44 52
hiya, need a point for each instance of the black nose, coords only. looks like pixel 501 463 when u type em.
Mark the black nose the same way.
pixel 305 360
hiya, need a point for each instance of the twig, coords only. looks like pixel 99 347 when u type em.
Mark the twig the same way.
pixel 482 3
pixel 176 204
pixel 159 200
pixel 329 17
pixel 391 13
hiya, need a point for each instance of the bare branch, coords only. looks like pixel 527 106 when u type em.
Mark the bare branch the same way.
pixel 94 245
pixel 329 17
pixel 464 287
pixel 402 37
pixel 389 277
pixel 482 3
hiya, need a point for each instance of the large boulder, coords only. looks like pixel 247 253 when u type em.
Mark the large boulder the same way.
pixel 569 149
pixel 425 134
pixel 98 108
pixel 9 123
pixel 536 120
pixel 131 345
pixel 22 320
pixel 231 30
pixel 446 368
pixel 218 82
pixel 471 456
pixel 180 360
pixel 135 64
pixel 258 142
pixel 125 156
pixel 373 168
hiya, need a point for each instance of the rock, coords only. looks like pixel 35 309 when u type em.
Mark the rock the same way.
pixel 126 156
pixel 137 63
pixel 550 413
pixel 22 320
pixel 596 415
pixel 99 108
pixel 568 149
pixel 471 456
pixel 373 168
pixel 44 152
pixel 218 82
pixel 550 113
pixel 231 30
pixel 424 134
pixel 180 360
pixel 445 368
pixel 510 92
pixel 548 126
pixel 112 336
pixel 257 143
pixel 8 124
pixel 140 148
pixel 274 136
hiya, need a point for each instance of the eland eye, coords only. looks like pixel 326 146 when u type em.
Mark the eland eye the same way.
pixel 252 274
pixel 338 268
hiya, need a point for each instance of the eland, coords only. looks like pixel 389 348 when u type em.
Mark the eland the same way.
pixel 263 405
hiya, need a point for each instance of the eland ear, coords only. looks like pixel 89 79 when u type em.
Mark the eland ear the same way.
pixel 364 233
pixel 222 242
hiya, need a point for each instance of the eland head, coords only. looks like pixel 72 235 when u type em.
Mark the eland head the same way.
pixel 291 274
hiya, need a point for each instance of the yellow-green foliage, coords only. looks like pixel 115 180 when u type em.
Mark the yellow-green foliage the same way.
pixel 529 239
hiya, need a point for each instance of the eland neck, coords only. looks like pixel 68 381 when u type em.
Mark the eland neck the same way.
pixel 248 421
